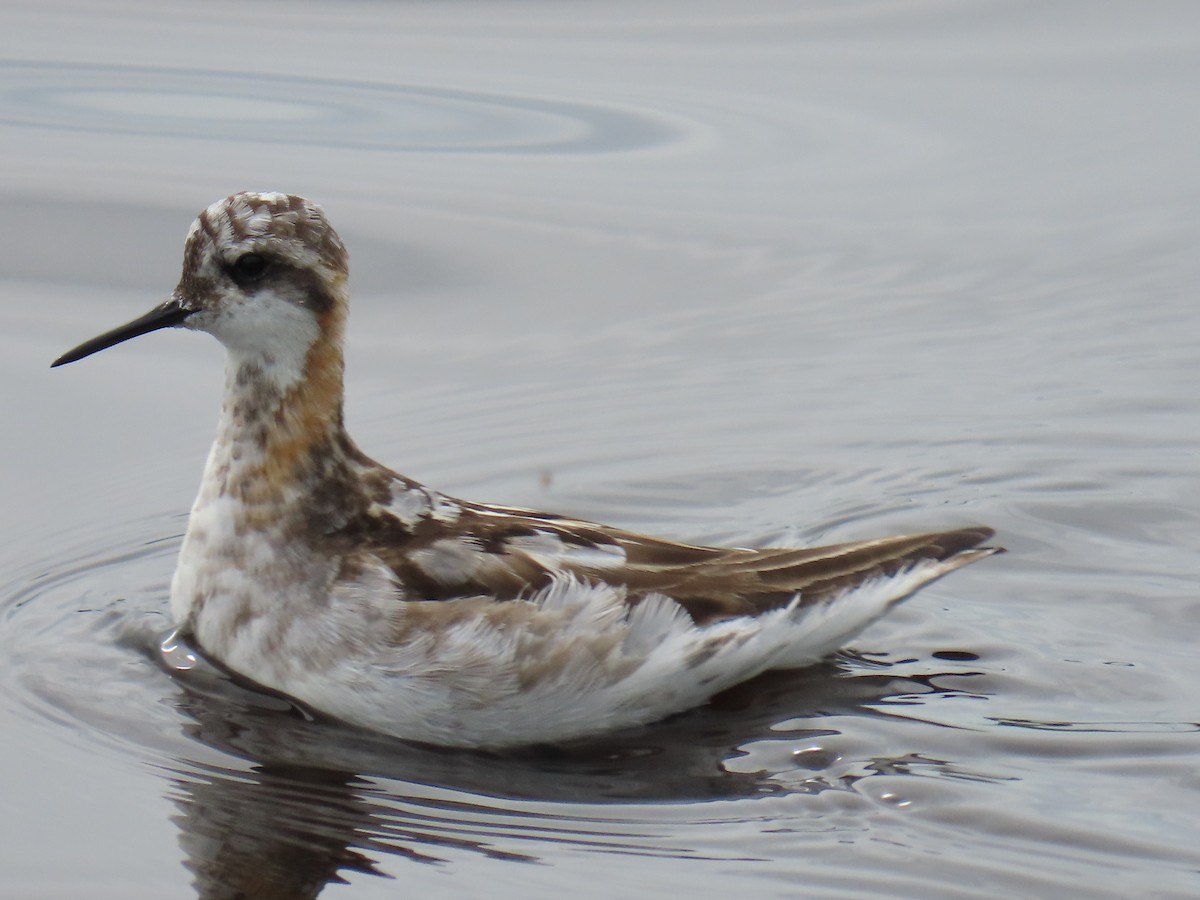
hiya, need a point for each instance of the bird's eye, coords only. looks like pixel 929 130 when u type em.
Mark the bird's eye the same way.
pixel 249 269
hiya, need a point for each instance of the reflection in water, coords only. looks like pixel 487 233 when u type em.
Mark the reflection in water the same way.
pixel 270 833
pixel 317 798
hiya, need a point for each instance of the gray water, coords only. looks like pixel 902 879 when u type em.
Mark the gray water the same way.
pixel 745 273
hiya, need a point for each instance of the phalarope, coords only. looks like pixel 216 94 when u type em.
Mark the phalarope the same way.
pixel 313 571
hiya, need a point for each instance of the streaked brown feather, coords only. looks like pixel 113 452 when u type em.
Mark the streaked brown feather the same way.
pixel 710 583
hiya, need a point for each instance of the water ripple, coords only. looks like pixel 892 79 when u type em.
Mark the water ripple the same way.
pixel 79 625
pixel 195 104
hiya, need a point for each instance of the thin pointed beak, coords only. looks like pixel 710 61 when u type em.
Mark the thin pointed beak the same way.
pixel 167 315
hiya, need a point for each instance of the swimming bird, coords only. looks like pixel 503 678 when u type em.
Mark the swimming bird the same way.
pixel 310 570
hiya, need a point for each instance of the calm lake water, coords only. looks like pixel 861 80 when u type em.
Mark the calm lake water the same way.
pixel 748 273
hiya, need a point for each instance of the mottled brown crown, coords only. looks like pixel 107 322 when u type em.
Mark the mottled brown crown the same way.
pixel 286 229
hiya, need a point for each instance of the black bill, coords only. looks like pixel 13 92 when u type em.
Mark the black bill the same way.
pixel 166 315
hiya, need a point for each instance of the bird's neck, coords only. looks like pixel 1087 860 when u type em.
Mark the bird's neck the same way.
pixel 281 435
pixel 276 497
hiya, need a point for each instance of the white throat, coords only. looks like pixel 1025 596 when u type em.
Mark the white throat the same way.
pixel 267 333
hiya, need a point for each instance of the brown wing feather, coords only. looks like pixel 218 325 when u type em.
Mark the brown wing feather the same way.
pixel 748 582
pixel 485 551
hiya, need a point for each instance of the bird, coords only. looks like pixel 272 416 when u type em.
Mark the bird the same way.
pixel 311 571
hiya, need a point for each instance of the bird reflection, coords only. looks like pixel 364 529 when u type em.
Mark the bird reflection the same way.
pixel 272 833
pixel 288 804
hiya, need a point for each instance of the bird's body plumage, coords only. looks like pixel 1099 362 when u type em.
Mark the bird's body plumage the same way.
pixel 314 571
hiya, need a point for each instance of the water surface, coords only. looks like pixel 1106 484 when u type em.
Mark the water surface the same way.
pixel 786 273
